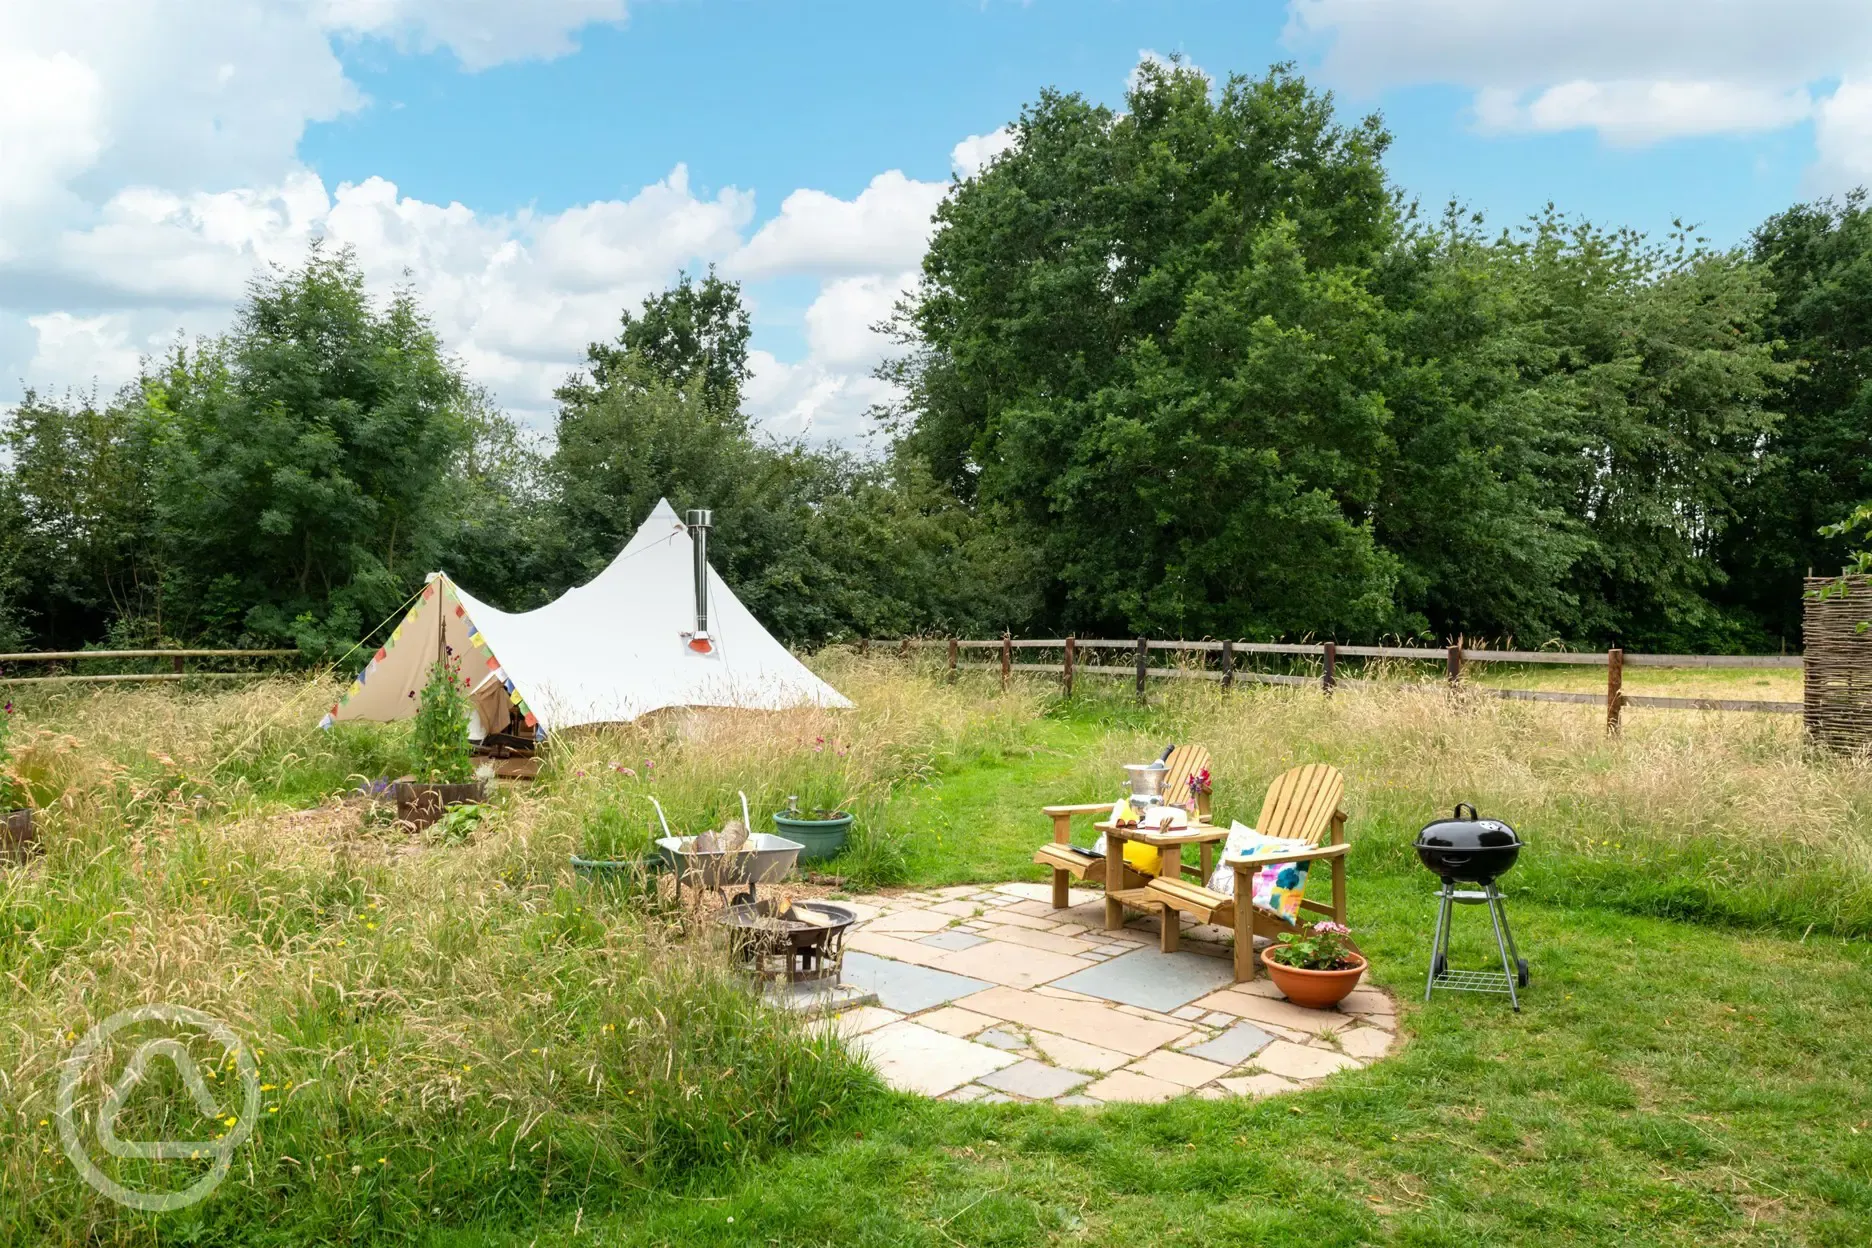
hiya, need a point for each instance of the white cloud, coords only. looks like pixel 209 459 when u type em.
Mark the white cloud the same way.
pixel 480 33
pixel 812 400
pixel 1843 135
pixel 86 350
pixel 1165 63
pixel 885 229
pixel 149 170
pixel 973 154
pixel 1644 112
pixel 1635 71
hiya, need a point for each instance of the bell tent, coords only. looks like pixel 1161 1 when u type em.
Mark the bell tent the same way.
pixel 657 628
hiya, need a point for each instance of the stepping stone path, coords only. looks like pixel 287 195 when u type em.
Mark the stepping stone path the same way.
pixel 989 994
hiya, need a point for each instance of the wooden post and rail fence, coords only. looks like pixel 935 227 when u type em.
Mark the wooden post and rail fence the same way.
pixel 1453 659
pixel 177 660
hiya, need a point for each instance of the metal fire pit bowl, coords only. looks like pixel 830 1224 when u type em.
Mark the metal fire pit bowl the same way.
pixel 781 950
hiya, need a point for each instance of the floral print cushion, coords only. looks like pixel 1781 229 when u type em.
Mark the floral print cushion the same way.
pixel 1279 886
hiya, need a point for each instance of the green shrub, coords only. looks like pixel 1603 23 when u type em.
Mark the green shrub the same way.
pixel 440 735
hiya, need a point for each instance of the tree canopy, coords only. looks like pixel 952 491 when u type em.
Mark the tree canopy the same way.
pixel 1190 367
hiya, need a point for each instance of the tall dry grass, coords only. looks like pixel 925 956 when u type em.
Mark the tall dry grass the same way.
pixel 1721 815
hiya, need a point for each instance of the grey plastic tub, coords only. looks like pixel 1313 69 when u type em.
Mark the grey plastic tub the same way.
pixel 764 860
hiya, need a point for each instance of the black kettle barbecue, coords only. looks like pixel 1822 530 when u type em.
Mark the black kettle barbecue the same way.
pixel 1477 851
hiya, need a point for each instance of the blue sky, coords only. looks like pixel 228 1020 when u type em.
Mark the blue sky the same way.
pixel 533 168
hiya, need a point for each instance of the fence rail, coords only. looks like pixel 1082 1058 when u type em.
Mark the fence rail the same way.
pixel 1452 658
pixel 175 672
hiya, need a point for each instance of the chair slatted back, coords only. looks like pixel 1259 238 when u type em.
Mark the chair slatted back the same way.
pixel 1301 803
pixel 1184 761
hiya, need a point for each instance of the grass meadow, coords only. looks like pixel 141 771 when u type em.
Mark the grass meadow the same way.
pixel 462 1043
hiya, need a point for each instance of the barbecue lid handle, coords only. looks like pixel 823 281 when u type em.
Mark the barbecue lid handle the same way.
pixel 1462 806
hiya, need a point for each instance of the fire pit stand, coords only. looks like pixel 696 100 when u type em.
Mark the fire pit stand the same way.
pixel 794 959
pixel 1514 970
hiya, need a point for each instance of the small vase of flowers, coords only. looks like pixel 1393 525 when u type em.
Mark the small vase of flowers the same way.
pixel 1315 967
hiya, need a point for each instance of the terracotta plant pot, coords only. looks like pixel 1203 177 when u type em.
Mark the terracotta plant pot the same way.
pixel 1315 990
pixel 420 805
pixel 17 837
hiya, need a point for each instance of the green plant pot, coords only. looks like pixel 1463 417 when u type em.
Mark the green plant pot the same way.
pixel 823 838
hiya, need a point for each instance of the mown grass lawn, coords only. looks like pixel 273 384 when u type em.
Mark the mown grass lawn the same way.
pixel 1665 1082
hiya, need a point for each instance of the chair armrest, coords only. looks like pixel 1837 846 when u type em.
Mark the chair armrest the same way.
pixel 1089 808
pixel 1298 855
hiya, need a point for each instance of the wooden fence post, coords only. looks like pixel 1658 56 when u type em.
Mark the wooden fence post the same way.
pixel 1614 685
pixel 1007 657
pixel 1455 666
pixel 1072 646
pixel 177 661
pixel 1143 665
pixel 1329 655
pixel 903 651
pixel 864 647
pixel 1228 665
pixel 952 660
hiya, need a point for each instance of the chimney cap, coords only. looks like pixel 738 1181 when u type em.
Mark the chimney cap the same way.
pixel 700 518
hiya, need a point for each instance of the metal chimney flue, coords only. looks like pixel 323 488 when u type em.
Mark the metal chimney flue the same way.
pixel 700 522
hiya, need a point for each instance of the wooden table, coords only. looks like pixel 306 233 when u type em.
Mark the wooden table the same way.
pixel 1126 886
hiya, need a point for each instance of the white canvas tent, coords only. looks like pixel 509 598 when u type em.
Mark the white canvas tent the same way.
pixel 621 646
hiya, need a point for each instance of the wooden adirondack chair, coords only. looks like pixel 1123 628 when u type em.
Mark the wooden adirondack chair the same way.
pixel 1303 805
pixel 1071 864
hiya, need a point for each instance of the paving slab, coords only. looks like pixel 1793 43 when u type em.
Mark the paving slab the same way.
pixel 1079 1102
pixel 916 1059
pixel 1301 1061
pixel 1077 1054
pixel 995 1038
pixel 957 890
pixel 1008 917
pixel 1052 942
pixel 1076 1020
pixel 1036 1081
pixel 1269 1010
pixel 951 939
pixel 1126 1085
pixel 967 1092
pixel 853 1022
pixel 1044 892
pixel 903 948
pixel 1364 1043
pixel 957 909
pixel 1014 966
pixel 909 921
pixel 1368 1001
pixel 955 1021
pixel 1178 1068
pixel 1151 979
pixel 1234 1046
pixel 1259 1085
pixel 906 987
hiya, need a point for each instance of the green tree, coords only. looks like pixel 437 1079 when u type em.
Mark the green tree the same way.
pixel 308 460
pixel 77 555
pixel 1149 341
pixel 1816 465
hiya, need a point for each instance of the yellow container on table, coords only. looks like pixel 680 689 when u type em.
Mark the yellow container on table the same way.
pixel 1145 858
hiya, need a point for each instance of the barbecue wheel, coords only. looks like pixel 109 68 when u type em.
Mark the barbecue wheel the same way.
pixel 1521 975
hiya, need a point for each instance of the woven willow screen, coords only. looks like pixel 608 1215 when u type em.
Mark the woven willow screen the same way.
pixel 1838 686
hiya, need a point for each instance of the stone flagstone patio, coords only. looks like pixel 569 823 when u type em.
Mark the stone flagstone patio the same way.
pixel 987 993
